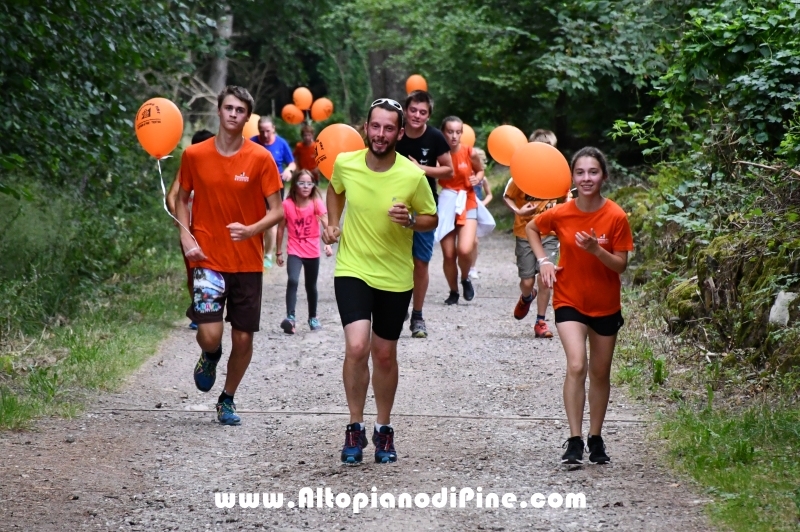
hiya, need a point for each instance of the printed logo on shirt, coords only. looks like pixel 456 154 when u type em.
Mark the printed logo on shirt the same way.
pixel 602 239
pixel 242 177
pixel 462 164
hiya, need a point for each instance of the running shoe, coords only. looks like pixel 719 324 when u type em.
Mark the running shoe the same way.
pixel 384 445
pixel 574 454
pixel 597 450
pixel 469 291
pixel 452 299
pixel 522 308
pixel 205 373
pixel 418 329
pixel 473 273
pixel 314 324
pixel 288 324
pixel 540 330
pixel 355 440
pixel 268 261
pixel 226 413
pixel 193 326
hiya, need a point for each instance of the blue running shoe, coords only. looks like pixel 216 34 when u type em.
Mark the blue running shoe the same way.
pixel 226 413
pixel 355 440
pixel 205 372
pixel 288 324
pixel 314 324
pixel 384 445
pixel 193 326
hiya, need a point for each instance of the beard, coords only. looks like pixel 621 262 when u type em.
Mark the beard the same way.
pixel 390 147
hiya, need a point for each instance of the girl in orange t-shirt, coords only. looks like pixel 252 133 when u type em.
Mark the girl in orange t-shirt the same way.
pixel 595 240
pixel 305 153
pixel 457 246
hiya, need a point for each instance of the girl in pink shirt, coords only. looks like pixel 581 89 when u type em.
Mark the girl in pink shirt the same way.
pixel 303 211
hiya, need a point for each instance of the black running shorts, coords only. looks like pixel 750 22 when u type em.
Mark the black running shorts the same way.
pixel 603 325
pixel 359 301
pixel 212 291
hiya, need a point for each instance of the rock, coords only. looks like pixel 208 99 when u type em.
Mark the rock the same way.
pixel 779 313
pixel 70 439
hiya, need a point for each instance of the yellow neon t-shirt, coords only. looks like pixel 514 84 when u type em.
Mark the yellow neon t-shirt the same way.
pixel 372 247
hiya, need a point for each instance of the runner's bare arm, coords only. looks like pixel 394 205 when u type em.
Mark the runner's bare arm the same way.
pixel 477 169
pixel 335 205
pixel 616 261
pixel 443 171
pixel 172 195
pixel 279 241
pixel 274 215
pixel 191 250
pixel 546 268
pixel 487 190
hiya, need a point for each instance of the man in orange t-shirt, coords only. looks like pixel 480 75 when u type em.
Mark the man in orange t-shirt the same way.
pixel 305 152
pixel 233 178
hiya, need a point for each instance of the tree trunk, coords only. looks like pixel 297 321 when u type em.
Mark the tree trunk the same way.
pixel 218 77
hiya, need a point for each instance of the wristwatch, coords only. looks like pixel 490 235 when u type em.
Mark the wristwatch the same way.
pixel 412 219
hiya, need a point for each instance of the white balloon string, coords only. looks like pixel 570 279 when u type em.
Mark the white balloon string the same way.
pixel 164 191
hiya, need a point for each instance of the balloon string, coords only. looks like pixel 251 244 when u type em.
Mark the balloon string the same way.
pixel 164 192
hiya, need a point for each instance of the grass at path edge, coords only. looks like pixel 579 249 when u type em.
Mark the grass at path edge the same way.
pixel 115 334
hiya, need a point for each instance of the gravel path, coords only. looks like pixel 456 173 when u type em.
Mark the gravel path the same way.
pixel 479 405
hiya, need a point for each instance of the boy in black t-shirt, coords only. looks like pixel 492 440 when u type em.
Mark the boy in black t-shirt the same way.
pixel 426 146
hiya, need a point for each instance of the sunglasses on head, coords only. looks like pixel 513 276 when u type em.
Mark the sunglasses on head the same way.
pixel 391 102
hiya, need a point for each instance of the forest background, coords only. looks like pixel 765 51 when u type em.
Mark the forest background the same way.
pixel 695 102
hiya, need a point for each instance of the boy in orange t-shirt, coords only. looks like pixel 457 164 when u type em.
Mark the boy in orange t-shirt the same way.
pixel 525 207
pixel 232 178
pixel 595 240
pixel 305 152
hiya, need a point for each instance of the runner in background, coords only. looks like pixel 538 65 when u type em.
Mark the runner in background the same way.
pixel 425 146
pixel 172 197
pixel 305 152
pixel 234 181
pixel 388 201
pixel 279 148
pixel 595 240
pixel 458 211
pixel 303 211
pixel 483 191
pixel 525 207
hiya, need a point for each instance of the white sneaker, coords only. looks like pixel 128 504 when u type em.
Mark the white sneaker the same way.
pixel 473 273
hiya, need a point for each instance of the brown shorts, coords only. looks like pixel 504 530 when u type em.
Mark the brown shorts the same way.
pixel 212 290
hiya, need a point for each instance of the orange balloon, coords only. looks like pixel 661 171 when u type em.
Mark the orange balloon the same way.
pixel 159 126
pixel 333 140
pixel 541 171
pixel 302 98
pixel 251 127
pixel 503 142
pixel 321 109
pixel 291 114
pixel 415 82
pixel 468 136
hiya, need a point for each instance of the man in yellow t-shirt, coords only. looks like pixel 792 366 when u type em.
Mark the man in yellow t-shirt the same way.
pixel 388 198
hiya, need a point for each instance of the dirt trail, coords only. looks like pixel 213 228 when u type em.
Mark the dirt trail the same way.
pixel 479 405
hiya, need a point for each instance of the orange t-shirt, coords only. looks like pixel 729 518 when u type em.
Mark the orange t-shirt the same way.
pixel 585 283
pixel 520 199
pixel 462 171
pixel 305 156
pixel 227 190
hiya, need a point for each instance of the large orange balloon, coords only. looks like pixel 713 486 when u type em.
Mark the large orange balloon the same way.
pixel 415 82
pixel 503 142
pixel 321 109
pixel 541 171
pixel 468 136
pixel 251 127
pixel 159 126
pixel 302 98
pixel 292 114
pixel 333 140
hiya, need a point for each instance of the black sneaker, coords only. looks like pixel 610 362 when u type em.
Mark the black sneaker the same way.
pixel 384 445
pixel 574 454
pixel 597 450
pixel 469 291
pixel 452 299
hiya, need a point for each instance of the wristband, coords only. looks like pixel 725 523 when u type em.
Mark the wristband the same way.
pixel 279 252
pixel 545 262
pixel 541 260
